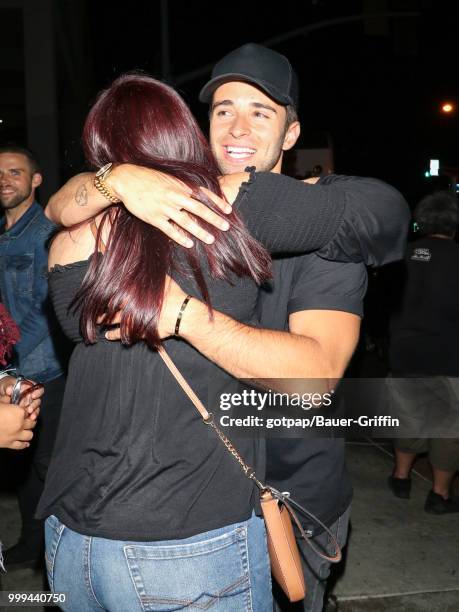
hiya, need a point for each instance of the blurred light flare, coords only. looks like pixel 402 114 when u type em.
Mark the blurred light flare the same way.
pixel 447 107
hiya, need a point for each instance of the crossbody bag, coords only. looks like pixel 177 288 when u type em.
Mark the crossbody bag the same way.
pixel 277 509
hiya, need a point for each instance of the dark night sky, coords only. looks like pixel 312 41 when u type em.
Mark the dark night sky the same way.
pixel 378 96
pixel 374 88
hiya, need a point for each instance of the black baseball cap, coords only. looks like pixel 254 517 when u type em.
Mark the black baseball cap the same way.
pixel 265 68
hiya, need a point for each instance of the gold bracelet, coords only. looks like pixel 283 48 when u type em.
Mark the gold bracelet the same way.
pixel 102 187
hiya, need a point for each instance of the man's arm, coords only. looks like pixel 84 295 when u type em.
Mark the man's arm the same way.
pixel 152 196
pixel 321 301
pixel 319 345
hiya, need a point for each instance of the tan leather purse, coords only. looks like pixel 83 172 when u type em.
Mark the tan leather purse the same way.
pixel 282 547
pixel 278 513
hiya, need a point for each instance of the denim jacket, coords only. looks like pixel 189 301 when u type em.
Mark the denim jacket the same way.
pixel 24 291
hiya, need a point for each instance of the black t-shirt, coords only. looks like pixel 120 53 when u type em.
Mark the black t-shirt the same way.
pixel 425 327
pixel 312 470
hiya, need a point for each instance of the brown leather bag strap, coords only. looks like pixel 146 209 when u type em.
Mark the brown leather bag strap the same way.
pixel 183 383
pixel 336 558
pixel 208 418
pixel 248 471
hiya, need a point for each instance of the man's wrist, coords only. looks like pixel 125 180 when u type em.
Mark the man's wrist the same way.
pixel 195 319
pixel 178 321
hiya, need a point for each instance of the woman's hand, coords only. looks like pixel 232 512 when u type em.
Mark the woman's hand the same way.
pixel 16 423
pixel 165 202
pixel 30 397
pixel 5 383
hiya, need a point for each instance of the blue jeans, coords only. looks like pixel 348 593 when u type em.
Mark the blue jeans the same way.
pixel 224 570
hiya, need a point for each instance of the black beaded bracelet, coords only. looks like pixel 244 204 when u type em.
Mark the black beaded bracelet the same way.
pixel 180 314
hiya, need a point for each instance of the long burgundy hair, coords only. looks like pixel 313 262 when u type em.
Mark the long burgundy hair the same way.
pixel 142 121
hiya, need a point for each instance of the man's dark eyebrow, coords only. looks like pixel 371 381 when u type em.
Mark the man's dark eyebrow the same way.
pixel 254 104
pixel 265 106
pixel 222 103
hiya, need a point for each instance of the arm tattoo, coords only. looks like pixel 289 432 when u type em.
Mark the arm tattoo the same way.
pixel 81 196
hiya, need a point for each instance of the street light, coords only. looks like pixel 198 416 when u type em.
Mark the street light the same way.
pixel 447 108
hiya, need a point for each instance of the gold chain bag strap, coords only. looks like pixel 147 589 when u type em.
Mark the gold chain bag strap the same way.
pixel 277 510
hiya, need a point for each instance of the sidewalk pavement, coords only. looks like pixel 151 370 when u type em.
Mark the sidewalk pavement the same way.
pixel 399 559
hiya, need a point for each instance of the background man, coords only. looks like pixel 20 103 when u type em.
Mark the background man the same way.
pixel 253 98
pixel 24 232
pixel 424 341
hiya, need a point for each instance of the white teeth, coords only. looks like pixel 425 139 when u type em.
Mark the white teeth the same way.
pixel 239 152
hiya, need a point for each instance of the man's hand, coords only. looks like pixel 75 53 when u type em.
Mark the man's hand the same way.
pixel 173 300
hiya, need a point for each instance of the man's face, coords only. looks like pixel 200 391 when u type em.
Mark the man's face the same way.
pixel 247 128
pixel 17 181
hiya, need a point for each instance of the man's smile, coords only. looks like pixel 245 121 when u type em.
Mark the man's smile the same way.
pixel 238 153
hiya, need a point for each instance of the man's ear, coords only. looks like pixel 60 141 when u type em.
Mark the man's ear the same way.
pixel 37 180
pixel 291 135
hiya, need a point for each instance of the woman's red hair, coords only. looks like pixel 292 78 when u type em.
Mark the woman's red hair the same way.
pixel 139 120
